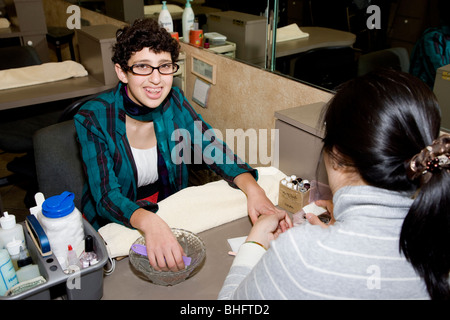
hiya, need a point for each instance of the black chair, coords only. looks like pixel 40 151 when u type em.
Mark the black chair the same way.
pixel 18 56
pixel 326 67
pixel 58 161
pixel 71 110
pixel 57 157
pixel 393 58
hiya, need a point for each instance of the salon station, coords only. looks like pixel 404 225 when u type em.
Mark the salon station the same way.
pixel 259 72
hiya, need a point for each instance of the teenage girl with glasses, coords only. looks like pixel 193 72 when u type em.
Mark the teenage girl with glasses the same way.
pixel 130 135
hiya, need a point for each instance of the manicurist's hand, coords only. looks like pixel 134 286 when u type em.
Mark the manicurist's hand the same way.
pixel 314 220
pixel 269 227
pixel 257 201
pixel 163 250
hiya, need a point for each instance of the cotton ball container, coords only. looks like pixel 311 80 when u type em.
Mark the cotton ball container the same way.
pixel 62 223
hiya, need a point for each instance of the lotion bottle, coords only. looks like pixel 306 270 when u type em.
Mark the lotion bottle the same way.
pixel 187 21
pixel 7 272
pixel 165 19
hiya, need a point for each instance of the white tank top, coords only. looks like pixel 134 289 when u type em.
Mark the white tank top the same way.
pixel 147 165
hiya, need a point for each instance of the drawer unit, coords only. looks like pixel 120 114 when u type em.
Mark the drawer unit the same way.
pixel 95 45
pixel 247 31
pixel 300 142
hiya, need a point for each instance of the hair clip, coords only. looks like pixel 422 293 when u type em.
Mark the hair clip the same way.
pixel 444 160
pixel 432 165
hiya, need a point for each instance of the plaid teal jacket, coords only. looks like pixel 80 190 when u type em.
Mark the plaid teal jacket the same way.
pixel 110 193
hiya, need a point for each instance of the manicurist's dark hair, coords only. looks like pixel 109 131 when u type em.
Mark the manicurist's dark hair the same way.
pixel 143 33
pixel 376 124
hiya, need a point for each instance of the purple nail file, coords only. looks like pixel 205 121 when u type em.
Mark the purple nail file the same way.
pixel 142 250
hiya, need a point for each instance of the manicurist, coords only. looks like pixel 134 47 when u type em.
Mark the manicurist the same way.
pixel 388 168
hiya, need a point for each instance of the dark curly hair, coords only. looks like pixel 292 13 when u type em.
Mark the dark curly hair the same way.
pixel 143 33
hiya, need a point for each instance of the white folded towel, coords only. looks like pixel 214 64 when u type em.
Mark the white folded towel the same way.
pixel 290 32
pixel 196 209
pixel 4 23
pixel 42 73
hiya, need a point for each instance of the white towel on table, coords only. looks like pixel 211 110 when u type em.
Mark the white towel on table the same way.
pixel 196 209
pixel 4 23
pixel 290 32
pixel 42 73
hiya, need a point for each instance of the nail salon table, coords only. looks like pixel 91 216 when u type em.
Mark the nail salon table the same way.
pixel 319 37
pixel 125 284
pixel 51 91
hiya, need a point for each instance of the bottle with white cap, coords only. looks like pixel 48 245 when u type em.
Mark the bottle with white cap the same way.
pixel 165 19
pixel 13 248
pixel 10 230
pixel 187 21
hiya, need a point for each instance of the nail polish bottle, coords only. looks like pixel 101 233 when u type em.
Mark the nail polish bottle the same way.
pixel 89 257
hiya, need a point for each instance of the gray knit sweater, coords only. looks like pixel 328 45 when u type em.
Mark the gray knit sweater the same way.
pixel 356 258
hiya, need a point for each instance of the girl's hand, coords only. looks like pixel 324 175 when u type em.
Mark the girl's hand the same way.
pixel 314 220
pixel 269 227
pixel 163 250
pixel 257 202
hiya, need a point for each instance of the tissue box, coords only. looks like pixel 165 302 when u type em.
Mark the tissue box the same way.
pixel 292 200
pixel 215 38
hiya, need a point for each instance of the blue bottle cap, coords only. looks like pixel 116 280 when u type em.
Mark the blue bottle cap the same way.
pixel 58 206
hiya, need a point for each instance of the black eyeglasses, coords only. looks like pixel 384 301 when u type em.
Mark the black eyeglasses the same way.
pixel 143 69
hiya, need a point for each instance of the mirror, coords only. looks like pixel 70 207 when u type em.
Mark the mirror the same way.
pixel 341 34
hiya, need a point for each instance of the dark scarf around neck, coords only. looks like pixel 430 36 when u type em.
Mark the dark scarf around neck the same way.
pixel 136 111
